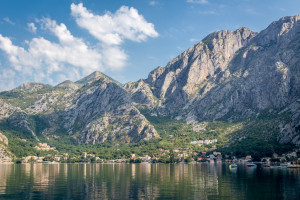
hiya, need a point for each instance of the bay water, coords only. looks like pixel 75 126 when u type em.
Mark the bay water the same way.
pixel 147 181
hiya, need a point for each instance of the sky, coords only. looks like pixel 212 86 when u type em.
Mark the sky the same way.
pixel 50 41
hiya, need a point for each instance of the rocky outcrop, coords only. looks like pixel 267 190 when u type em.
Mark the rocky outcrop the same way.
pixel 94 77
pixel 186 74
pixel 5 155
pixel 7 109
pixel 94 109
pixel 290 129
pixel 141 93
pixel 232 76
pixel 104 111
pixel 3 139
pixel 263 75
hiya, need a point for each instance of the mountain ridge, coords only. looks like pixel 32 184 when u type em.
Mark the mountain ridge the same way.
pixel 237 86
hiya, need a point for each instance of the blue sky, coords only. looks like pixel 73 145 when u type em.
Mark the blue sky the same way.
pixel 53 40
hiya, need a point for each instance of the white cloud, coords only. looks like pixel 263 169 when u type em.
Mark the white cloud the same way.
pixel 7 80
pixel 197 1
pixel 114 28
pixel 31 27
pixel 6 19
pixel 114 57
pixel 44 58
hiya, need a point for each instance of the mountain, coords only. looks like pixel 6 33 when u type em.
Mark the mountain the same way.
pixel 93 110
pixel 32 86
pixel 96 76
pixel 68 85
pixel 240 87
pixel 238 76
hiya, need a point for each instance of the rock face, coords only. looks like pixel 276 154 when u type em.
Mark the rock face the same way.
pixel 141 93
pixel 103 111
pixel 183 76
pixel 231 76
pixel 92 110
pixel 3 139
pixel 186 74
pixel 5 155
pixel 290 130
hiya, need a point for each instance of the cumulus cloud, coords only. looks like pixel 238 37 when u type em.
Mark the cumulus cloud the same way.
pixel 71 57
pixel 114 28
pixel 31 27
pixel 114 56
pixel 7 79
pixel 42 58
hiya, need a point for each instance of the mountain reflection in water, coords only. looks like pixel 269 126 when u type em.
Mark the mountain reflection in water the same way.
pixel 146 181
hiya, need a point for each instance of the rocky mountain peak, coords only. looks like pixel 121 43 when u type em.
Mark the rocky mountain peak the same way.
pixel 95 76
pixel 183 75
pixel 280 32
pixel 154 74
pixel 227 41
pixel 90 78
pixel 141 92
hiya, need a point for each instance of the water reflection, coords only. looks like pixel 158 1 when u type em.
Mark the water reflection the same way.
pixel 147 181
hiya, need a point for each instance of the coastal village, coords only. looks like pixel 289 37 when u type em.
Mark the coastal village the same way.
pixel 185 155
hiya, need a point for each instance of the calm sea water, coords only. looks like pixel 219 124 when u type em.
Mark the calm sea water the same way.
pixel 146 181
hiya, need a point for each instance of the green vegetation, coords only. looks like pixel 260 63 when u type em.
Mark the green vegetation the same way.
pixel 24 99
pixel 256 137
pixel 256 148
pixel 178 134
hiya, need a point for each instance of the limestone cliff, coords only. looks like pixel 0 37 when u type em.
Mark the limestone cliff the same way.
pixel 232 76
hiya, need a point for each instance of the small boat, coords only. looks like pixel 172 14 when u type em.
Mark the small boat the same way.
pixel 233 165
pixel 250 165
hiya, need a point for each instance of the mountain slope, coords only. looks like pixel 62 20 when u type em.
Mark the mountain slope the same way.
pixel 234 77
pixel 240 87
pixel 92 110
pixel 103 111
pixel 182 78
